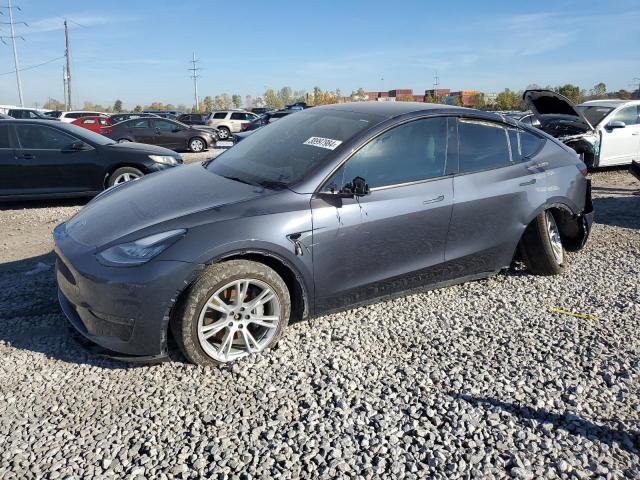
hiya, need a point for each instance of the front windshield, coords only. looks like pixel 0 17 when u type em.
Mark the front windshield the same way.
pixel 594 113
pixel 86 134
pixel 282 153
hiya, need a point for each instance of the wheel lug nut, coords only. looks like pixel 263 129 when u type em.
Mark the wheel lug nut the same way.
pixel 247 317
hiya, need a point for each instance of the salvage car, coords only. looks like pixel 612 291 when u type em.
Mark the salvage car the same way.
pixel 165 133
pixel 603 132
pixel 230 121
pixel 100 125
pixel 330 208
pixel 45 159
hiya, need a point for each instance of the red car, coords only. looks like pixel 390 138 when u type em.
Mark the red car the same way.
pixel 100 125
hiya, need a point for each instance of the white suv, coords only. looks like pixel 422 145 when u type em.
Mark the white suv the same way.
pixel 618 122
pixel 69 117
pixel 230 121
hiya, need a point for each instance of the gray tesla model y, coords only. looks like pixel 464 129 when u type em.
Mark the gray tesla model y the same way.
pixel 328 208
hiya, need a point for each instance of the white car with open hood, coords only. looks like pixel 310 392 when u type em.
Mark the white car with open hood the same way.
pixel 606 132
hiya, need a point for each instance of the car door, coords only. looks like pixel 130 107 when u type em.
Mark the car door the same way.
pixel 169 134
pixel 8 173
pixel 621 145
pixel 47 163
pixel 496 190
pixel 392 239
pixel 141 130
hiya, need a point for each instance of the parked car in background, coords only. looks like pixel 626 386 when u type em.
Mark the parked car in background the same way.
pixel 69 117
pixel 4 117
pixel 194 118
pixel 163 132
pixel 524 117
pixel 604 132
pixel 171 114
pixel 28 113
pixel 260 110
pixel 266 119
pixel 230 121
pixel 40 158
pixel 334 207
pixel 121 117
pixel 297 106
pixel 95 124
pixel 618 123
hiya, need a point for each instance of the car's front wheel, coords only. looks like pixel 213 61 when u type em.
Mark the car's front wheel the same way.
pixel 197 145
pixel 124 174
pixel 234 309
pixel 541 246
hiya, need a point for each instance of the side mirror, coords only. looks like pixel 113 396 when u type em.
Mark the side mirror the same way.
pixel 76 147
pixel 616 124
pixel 358 187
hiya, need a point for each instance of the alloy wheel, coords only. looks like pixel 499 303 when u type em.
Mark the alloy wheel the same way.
pixel 223 133
pixel 125 177
pixel 554 238
pixel 196 145
pixel 240 318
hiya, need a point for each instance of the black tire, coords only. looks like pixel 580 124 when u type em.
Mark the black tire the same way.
pixel 536 248
pixel 197 145
pixel 224 133
pixel 123 171
pixel 185 318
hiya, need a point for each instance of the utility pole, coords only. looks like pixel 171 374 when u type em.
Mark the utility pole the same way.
pixel 64 86
pixel 15 50
pixel 194 74
pixel 436 82
pixel 67 54
pixel 637 85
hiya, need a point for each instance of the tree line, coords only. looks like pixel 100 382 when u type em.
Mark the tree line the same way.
pixel 277 99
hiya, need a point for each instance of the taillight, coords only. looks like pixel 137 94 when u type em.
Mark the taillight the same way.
pixel 106 131
pixel 244 126
pixel 582 167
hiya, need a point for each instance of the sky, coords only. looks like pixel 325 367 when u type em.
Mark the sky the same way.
pixel 139 51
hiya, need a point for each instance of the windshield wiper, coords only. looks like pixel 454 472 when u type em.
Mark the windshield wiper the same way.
pixel 237 179
pixel 273 184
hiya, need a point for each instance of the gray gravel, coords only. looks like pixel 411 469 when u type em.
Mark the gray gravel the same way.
pixel 478 380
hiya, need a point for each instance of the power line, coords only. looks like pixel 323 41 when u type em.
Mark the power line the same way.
pixel 13 37
pixel 194 75
pixel 30 67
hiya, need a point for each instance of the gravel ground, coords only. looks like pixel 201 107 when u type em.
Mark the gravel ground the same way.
pixel 478 380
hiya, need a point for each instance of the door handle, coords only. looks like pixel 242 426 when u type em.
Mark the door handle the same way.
pixel 528 182
pixel 25 156
pixel 433 200
pixel 635 133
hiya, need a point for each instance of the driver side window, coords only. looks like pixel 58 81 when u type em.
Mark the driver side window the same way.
pixel 165 125
pixel 43 138
pixel 411 152
pixel 628 115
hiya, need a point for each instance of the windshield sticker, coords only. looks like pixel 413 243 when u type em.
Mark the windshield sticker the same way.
pixel 328 143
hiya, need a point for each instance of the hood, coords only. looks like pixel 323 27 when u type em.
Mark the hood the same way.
pixel 551 108
pixel 141 148
pixel 155 199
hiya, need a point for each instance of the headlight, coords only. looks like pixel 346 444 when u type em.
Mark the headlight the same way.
pixel 165 159
pixel 139 251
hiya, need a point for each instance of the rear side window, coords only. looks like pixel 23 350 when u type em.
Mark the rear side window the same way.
pixel 411 152
pixel 523 144
pixel 41 137
pixel 238 116
pixel 139 123
pixel 89 121
pixel 220 115
pixel 482 145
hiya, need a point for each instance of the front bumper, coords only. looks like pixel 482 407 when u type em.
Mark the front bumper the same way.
pixel 122 309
